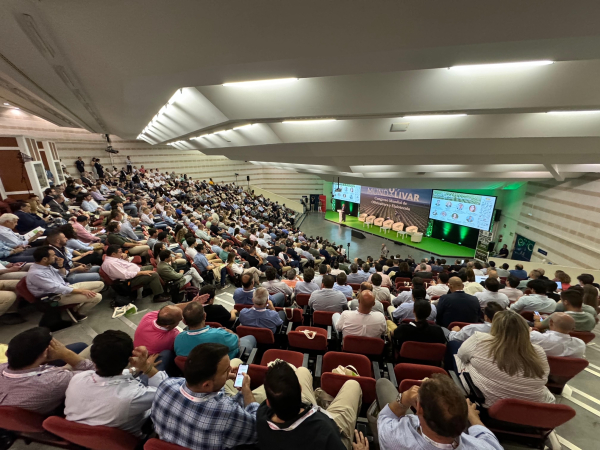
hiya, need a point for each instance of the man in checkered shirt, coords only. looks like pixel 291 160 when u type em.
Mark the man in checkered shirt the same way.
pixel 197 411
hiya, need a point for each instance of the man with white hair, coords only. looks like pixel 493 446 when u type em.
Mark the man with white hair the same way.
pixel 556 341
pixel 15 243
pixel 262 314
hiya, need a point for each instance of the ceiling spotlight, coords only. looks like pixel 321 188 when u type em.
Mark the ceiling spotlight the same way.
pixel 262 82
pixel 500 66
pixel 310 121
pixel 592 111
pixel 6 104
pixel 433 116
pixel 16 108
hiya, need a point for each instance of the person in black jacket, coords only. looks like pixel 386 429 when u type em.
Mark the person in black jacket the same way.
pixel 290 418
pixel 457 306
pixel 80 165
pixel 420 330
pixel 27 220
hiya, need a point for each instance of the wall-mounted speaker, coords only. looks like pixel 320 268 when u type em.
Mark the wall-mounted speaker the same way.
pixel 247 177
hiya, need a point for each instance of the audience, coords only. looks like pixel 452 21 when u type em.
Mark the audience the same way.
pixel 491 294
pixel 244 295
pixel 328 299
pixel 362 322
pixel 504 363
pixel 537 301
pixel 420 330
pixel 262 314
pixel 571 302
pixel 109 395
pixel 405 310
pixel 443 419
pixel 518 272
pixel 441 287
pixel 556 341
pixel 462 334
pixel 511 290
pixel 340 285
pixel 307 285
pixel 457 306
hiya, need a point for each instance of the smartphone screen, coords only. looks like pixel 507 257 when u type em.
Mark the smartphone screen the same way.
pixel 240 375
pixel 536 313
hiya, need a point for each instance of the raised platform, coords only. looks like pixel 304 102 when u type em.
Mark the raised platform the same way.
pixel 431 245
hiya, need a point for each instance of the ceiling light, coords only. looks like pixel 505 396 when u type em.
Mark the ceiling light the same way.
pixel 243 126
pixel 261 82
pixel 594 111
pixel 309 121
pixel 6 104
pixel 501 66
pixel 16 108
pixel 433 116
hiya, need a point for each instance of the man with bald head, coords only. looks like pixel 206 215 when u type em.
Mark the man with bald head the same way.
pixel 556 341
pixel 458 306
pixel 362 322
pixel 158 329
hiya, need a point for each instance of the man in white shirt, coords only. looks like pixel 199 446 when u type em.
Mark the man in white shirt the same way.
pixel 108 396
pixel 273 285
pixel 406 309
pixel 557 341
pixel 491 294
pixel 381 293
pixel 538 301
pixel 327 299
pixel 407 296
pixel 362 322
pixel 464 333
pixel 511 290
pixel 440 288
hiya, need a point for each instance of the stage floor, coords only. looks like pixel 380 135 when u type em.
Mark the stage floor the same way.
pixel 435 246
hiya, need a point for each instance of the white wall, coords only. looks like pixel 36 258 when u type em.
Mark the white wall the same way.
pixel 73 142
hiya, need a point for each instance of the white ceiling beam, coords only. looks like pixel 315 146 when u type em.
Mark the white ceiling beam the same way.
pixel 553 169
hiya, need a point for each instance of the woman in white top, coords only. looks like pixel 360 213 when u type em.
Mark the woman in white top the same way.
pixel 504 363
pixel 238 269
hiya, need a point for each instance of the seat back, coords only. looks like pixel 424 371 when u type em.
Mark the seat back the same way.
pixel 405 371
pixel 262 335
pixel 240 306
pixel 21 420
pixel 388 223
pixel 157 444
pixel 333 382
pixel 363 345
pixel 458 324
pixel 362 217
pixel 370 219
pixel 180 362
pixel 527 315
pixel 214 324
pixel 355 286
pixel 302 299
pixel 107 280
pixel 562 369
pixel 298 339
pixel 323 318
pixel 405 385
pixel 361 363
pixel 422 351
pixel 91 437
pixel 294 358
pixel 402 280
pixel 257 374
pixel 412 229
pixel 546 416
pixel 585 336
pixel 23 291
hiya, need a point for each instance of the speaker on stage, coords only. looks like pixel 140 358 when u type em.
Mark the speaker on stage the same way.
pixel 358 234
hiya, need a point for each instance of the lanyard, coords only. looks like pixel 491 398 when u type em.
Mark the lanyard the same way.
pixel 196 333
pixel 195 399
pixel 298 422
pixel 24 375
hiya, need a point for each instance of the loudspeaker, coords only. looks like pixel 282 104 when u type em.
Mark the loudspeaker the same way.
pixel 491 246
pixel 358 235
pixel 247 177
pixel 497 215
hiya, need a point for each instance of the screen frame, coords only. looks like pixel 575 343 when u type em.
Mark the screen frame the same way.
pixel 458 192
pixel 334 187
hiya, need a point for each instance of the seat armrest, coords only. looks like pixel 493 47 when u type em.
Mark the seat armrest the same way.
pixel 376 371
pixel 319 366
pixel 252 356
pixel 305 360
pixel 475 394
pixel 392 375
pixel 329 332
pixel 289 327
pixel 457 381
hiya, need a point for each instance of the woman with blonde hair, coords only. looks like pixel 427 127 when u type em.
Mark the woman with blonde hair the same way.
pixel 471 286
pixel 504 363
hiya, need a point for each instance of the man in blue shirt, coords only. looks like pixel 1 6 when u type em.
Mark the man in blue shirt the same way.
pixel 518 272
pixel 200 333
pixel 263 314
pixel 203 410
pixel 205 268
pixel 245 294
pixel 340 285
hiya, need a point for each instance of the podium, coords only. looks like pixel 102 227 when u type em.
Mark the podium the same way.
pixel 340 213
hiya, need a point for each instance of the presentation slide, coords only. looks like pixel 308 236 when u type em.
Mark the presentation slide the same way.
pixel 469 210
pixel 409 206
pixel 349 192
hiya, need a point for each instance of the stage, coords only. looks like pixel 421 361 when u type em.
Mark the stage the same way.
pixel 430 245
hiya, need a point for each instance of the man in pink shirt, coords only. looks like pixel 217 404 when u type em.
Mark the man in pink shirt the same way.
pixel 82 234
pixel 117 267
pixel 158 329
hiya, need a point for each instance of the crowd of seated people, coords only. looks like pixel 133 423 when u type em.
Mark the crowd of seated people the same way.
pixel 214 232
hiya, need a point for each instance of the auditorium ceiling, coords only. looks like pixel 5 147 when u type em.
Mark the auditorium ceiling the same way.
pixel 380 93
